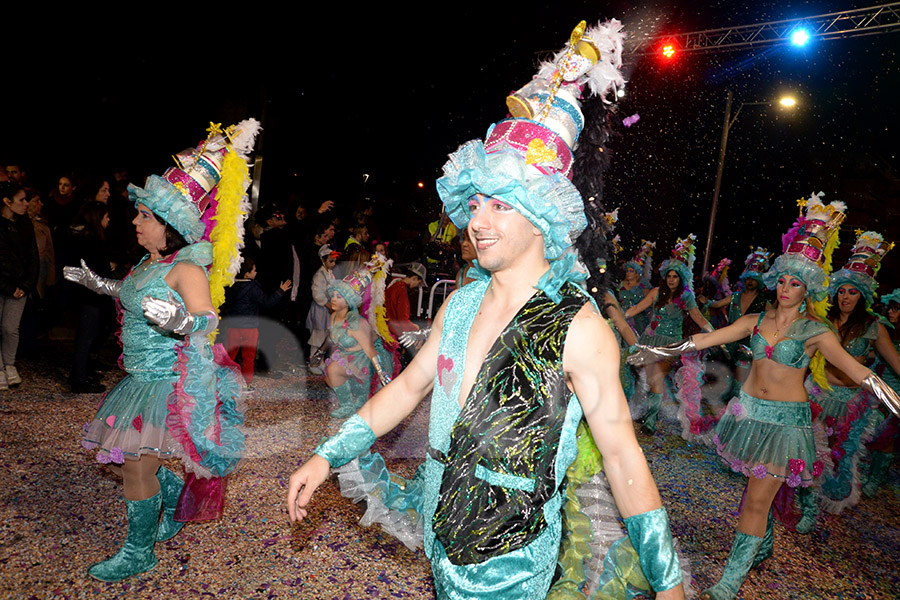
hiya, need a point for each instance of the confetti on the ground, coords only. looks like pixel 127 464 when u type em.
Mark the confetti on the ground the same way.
pixel 61 511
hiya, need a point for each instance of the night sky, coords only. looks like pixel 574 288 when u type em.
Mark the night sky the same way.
pixel 390 92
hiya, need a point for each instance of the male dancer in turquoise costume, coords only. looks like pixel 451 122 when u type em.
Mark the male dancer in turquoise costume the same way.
pixel 516 360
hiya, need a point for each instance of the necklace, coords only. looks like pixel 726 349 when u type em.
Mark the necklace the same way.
pixel 778 329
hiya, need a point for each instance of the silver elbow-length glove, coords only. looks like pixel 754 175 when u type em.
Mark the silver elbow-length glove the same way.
pixel 646 355
pixel 92 281
pixel 171 316
pixel 876 386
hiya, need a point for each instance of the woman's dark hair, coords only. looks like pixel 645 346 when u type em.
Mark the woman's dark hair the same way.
pixel 665 294
pixel 893 332
pixel 174 240
pixel 89 187
pixel 8 189
pixel 90 217
pixel 591 161
pixel 856 322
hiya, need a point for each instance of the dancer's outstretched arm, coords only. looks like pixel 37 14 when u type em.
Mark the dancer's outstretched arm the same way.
pixel 384 411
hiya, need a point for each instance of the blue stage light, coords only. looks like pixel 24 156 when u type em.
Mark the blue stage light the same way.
pixel 799 37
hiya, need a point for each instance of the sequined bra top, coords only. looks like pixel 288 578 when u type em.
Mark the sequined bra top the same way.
pixel 861 345
pixel 790 351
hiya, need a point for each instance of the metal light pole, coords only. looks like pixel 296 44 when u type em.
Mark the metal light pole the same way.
pixel 726 127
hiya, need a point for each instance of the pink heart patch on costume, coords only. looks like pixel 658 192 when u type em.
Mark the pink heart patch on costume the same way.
pixel 110 420
pixel 444 364
pixel 448 379
pixel 769 350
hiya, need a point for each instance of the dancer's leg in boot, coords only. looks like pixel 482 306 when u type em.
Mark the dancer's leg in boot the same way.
pixel 656 376
pixel 170 485
pixel 359 391
pixel 768 543
pixel 143 501
pixel 748 539
pixel 809 510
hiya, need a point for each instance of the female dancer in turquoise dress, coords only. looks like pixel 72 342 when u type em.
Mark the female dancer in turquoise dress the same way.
pixel 180 395
pixel 358 354
pixel 882 449
pixel 635 286
pixel 848 414
pixel 766 432
pixel 671 303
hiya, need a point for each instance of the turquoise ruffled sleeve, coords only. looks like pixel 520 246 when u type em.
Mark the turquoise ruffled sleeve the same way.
pixel 354 438
pixel 650 535
pixel 804 329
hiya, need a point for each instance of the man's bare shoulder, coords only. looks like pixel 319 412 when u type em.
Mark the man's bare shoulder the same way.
pixel 589 332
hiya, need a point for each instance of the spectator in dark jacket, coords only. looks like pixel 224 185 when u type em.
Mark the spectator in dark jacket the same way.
pixel 18 275
pixel 242 305
pixel 88 243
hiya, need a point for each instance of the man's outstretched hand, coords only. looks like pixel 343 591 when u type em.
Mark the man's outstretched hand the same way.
pixel 303 483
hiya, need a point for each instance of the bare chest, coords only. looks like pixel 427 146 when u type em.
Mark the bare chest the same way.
pixel 746 301
pixel 489 323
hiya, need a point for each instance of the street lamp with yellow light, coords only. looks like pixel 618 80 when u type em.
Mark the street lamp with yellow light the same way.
pixel 788 102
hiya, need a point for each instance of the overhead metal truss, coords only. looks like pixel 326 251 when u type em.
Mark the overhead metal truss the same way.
pixel 884 18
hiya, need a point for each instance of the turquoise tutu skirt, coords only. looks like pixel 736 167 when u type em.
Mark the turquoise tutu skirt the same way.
pixel 769 437
pixel 131 421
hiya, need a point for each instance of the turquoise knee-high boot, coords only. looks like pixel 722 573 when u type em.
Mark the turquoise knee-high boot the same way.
pixel 878 472
pixel 768 543
pixel 170 487
pixel 346 406
pixel 136 554
pixel 809 509
pixel 654 400
pixel 743 551
pixel 359 392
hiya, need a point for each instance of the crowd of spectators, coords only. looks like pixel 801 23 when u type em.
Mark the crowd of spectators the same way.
pixel 88 217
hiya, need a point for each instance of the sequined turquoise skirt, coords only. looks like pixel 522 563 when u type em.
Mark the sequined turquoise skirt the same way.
pixel 761 438
pixel 131 421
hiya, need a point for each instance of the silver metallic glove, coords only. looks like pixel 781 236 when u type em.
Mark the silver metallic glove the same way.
pixel 876 386
pixel 92 281
pixel 646 355
pixel 410 338
pixel 171 316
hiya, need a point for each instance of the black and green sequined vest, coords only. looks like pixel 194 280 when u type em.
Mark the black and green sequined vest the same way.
pixel 500 465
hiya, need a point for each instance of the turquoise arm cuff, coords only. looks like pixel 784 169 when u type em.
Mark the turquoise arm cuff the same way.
pixel 354 438
pixel 650 536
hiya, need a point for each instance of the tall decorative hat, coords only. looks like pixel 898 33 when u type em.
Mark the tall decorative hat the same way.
pixel 526 160
pixel 720 275
pixel 642 262
pixel 609 223
pixel 352 287
pixel 204 198
pixel 864 263
pixel 682 261
pixel 808 246
pixel 756 264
